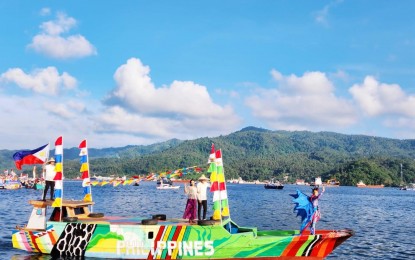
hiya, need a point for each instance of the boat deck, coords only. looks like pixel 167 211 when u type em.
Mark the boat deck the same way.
pixel 133 221
pixel 75 210
pixel 65 203
pixel 78 211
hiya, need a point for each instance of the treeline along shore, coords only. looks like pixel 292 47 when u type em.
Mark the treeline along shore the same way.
pixel 258 154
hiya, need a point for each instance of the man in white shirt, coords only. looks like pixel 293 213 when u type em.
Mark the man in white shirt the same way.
pixel 49 174
pixel 202 186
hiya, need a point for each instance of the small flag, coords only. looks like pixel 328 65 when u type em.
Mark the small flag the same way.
pixel 37 156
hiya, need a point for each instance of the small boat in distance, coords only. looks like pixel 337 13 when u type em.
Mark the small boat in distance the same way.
pixel 375 186
pixel 410 186
pixel 274 185
pixel 403 186
pixel 332 183
pixel 361 184
pixel 167 187
pixel 300 182
pixel 166 184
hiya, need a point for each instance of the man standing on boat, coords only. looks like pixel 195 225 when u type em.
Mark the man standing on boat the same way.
pixel 49 174
pixel 202 186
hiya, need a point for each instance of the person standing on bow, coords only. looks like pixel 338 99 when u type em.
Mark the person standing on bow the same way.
pixel 202 186
pixel 191 204
pixel 49 174
pixel 316 215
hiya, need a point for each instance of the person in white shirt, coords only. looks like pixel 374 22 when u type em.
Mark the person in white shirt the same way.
pixel 49 174
pixel 202 186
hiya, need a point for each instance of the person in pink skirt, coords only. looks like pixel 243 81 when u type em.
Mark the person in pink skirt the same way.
pixel 190 212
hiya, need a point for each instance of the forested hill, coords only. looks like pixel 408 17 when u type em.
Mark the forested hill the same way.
pixel 255 153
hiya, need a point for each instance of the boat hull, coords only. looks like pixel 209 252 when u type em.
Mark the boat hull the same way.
pixel 273 187
pixel 173 239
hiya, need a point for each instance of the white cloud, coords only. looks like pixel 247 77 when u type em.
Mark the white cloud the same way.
pixel 302 103
pixel 117 119
pixel 44 81
pixel 183 108
pixel 322 15
pixel 136 112
pixel 68 110
pixel 387 101
pixel 45 11
pixel 61 25
pixel 376 99
pixel 340 74
pixel 33 121
pixel 50 41
pixel 135 90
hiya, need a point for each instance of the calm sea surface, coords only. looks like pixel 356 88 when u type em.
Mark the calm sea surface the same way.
pixel 383 219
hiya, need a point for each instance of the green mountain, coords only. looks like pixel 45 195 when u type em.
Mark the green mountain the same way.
pixel 260 154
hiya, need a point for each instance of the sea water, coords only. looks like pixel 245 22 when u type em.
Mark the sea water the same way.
pixel 383 219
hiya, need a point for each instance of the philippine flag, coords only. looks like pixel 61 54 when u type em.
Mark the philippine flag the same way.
pixel 36 156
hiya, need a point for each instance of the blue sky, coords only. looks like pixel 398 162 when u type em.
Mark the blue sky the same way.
pixel 140 72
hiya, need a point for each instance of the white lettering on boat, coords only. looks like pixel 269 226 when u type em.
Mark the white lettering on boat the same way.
pixel 184 248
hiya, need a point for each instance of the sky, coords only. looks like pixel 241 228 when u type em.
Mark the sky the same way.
pixel 130 72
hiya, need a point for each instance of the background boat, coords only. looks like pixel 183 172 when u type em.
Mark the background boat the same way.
pixel 274 185
pixel 361 184
pixel 332 183
pixel 166 184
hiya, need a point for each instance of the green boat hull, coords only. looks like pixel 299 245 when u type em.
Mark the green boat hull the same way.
pixel 135 238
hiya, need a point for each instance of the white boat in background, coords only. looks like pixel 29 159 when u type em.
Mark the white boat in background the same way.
pixel 410 186
pixel 332 183
pixel 361 184
pixel 166 185
pixel 300 182
pixel 236 181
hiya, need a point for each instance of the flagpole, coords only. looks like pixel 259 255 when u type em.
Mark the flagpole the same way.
pixel 89 174
pixel 224 183
pixel 47 155
pixel 60 217
pixel 43 173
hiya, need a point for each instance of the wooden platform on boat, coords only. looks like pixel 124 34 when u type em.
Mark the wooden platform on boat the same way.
pixel 72 208
pixel 65 203
pixel 78 211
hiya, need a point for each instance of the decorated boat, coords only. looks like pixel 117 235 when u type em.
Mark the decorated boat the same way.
pixel 71 230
